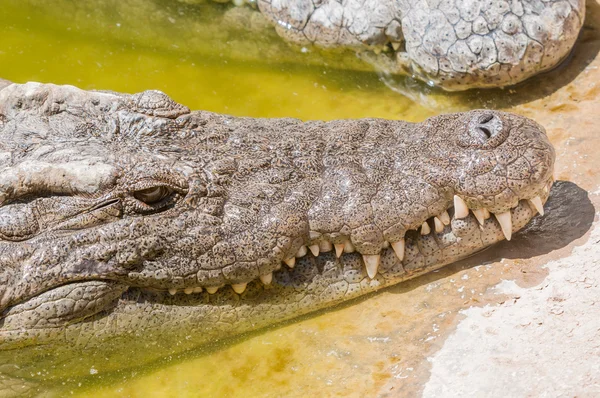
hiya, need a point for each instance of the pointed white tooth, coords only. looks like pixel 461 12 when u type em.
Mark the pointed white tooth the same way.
pixel 439 225
pixel 339 249
pixel 372 264
pixel 460 207
pixel 386 244
pixel 377 50
pixel 301 252
pixel 445 218
pixel 239 287
pixel 172 291
pixel 425 230
pixel 266 279
pixel 399 249
pixel 197 289
pixel 486 213
pixel 479 216
pixel 396 45
pixel 325 246
pixel 537 203
pixel 290 262
pixel 348 247
pixel 212 289
pixel 314 249
pixel 505 221
pixel 188 290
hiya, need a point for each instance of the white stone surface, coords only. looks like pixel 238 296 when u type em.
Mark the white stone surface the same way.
pixel 544 342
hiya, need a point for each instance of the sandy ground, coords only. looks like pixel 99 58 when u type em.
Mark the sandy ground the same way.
pixel 542 340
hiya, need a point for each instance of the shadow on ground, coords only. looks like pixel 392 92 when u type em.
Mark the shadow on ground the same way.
pixel 569 214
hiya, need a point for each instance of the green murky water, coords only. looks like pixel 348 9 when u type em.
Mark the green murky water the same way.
pixel 193 53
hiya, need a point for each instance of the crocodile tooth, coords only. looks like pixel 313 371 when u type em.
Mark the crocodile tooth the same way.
pixel 301 252
pixel 290 262
pixel 267 278
pixel 505 221
pixel 188 290
pixel 386 244
pixel 348 247
pixel 212 289
pixel 399 249
pixel 377 50
pixel 439 225
pixel 486 213
pixel 314 235
pixel 396 45
pixel 325 246
pixel 239 287
pixel 537 204
pixel 172 291
pixel 339 249
pixel 479 215
pixel 425 230
pixel 197 289
pixel 445 218
pixel 372 264
pixel 460 207
pixel 314 249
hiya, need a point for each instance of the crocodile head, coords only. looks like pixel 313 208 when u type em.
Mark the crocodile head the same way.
pixel 128 218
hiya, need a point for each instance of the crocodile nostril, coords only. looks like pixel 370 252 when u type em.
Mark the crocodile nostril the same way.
pixel 486 119
pixel 485 131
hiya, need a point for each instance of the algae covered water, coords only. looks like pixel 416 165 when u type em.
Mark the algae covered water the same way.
pixel 205 56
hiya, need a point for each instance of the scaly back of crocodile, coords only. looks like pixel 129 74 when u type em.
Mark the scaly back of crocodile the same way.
pixel 455 45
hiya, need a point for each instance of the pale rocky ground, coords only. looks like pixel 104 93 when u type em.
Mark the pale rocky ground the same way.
pixel 521 319
pixel 542 341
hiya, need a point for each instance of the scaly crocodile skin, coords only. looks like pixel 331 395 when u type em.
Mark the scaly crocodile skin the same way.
pixel 454 44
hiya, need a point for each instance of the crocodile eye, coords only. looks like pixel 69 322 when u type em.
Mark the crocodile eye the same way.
pixel 152 195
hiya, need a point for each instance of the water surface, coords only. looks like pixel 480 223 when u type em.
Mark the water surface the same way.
pixel 191 53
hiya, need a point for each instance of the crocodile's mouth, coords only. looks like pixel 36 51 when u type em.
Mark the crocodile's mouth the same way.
pixel 455 233
pixel 451 228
